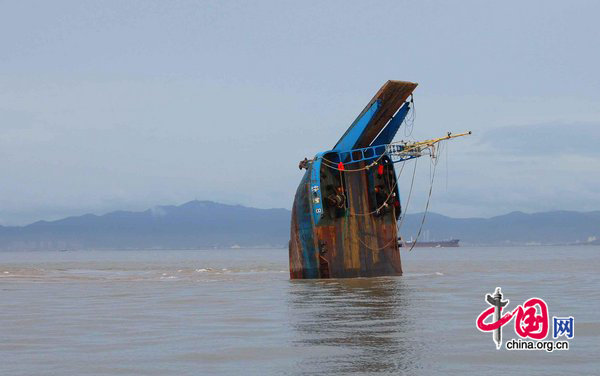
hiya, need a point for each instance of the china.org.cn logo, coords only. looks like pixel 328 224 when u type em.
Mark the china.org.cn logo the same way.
pixel 529 323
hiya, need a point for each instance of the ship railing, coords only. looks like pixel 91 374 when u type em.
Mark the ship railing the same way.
pixel 395 152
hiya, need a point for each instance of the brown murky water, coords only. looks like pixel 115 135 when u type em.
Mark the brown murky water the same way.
pixel 237 312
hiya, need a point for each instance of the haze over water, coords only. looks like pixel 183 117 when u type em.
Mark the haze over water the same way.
pixel 237 312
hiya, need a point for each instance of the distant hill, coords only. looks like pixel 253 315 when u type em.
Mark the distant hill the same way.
pixel 203 224
pixel 555 227
pixel 196 224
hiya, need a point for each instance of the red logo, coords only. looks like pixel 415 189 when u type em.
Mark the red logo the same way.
pixel 528 322
pixel 531 321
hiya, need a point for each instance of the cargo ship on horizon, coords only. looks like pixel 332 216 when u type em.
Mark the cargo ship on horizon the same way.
pixel 452 243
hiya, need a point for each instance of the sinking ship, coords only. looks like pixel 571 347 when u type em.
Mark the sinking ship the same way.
pixel 347 205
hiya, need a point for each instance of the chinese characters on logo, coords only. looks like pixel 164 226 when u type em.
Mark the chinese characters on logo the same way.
pixel 531 321
pixel 563 326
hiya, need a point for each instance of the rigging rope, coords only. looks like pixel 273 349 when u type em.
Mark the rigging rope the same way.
pixel 435 161
pixel 333 165
pixel 409 120
pixel 412 182
pixel 394 239
pixel 414 147
pixel 394 211
pixel 420 147
pixel 392 191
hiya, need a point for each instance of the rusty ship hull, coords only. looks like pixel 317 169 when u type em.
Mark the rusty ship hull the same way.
pixel 347 204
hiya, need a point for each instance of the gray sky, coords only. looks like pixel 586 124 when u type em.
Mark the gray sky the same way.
pixel 126 105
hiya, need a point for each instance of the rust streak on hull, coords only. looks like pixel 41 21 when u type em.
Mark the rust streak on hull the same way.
pixel 349 243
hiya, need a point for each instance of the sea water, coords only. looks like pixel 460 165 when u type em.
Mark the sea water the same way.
pixel 236 312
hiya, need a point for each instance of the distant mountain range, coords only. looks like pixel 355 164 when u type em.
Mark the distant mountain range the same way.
pixel 196 224
pixel 204 224
pixel 516 228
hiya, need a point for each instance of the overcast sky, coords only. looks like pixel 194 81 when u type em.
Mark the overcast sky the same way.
pixel 127 105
